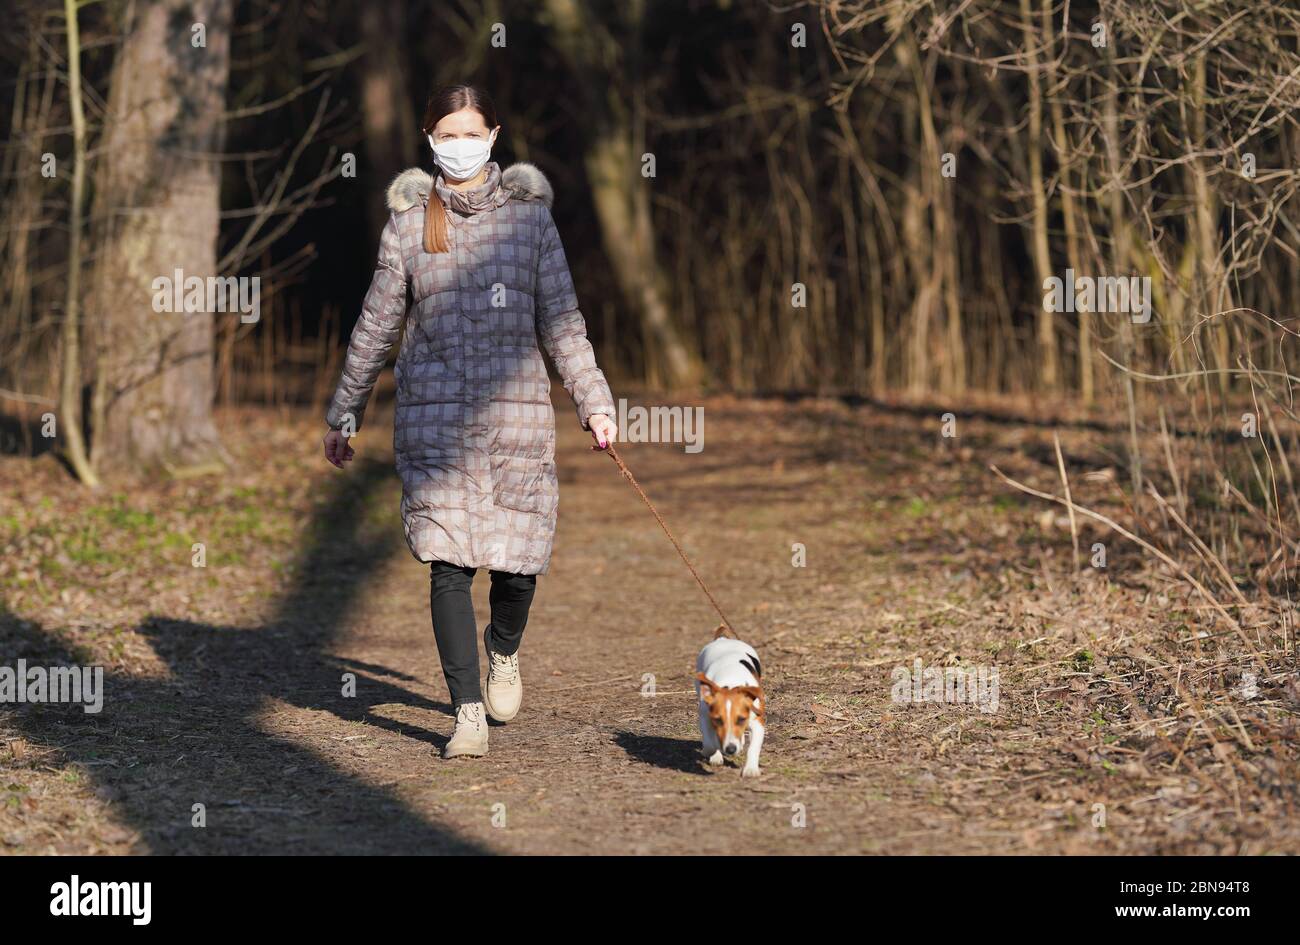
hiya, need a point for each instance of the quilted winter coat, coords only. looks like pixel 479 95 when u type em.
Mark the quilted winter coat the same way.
pixel 474 431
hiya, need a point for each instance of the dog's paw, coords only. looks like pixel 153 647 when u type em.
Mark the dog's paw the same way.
pixel 748 772
pixel 715 759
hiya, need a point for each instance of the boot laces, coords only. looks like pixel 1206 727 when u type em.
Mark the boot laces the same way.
pixel 505 668
pixel 470 713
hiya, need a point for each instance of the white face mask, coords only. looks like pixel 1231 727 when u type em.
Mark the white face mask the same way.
pixel 461 158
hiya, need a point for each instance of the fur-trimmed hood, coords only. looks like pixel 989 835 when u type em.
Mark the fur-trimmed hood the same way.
pixel 525 181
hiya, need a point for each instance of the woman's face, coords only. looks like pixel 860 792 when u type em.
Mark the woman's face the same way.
pixel 466 123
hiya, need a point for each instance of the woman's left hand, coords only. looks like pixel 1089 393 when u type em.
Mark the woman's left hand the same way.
pixel 603 430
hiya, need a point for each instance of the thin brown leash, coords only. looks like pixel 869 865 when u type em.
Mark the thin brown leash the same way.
pixel 627 474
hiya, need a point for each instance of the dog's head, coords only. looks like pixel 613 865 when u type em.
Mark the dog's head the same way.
pixel 730 710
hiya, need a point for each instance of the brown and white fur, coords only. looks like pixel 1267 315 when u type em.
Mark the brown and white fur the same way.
pixel 732 704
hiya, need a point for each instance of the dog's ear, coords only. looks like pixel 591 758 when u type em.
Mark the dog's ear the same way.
pixel 754 692
pixel 707 687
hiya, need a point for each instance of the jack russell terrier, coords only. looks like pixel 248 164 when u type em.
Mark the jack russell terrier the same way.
pixel 731 700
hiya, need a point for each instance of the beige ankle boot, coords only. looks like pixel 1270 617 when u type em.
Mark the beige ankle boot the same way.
pixel 470 739
pixel 505 690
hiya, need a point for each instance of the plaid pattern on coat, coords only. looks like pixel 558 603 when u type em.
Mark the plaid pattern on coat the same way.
pixel 474 431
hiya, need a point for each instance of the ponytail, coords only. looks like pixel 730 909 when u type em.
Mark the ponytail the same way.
pixel 435 224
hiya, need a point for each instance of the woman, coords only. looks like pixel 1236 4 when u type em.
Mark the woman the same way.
pixel 474 432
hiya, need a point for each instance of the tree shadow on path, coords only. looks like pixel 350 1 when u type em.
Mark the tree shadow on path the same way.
pixel 164 744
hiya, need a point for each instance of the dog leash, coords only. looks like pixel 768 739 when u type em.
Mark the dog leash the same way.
pixel 627 474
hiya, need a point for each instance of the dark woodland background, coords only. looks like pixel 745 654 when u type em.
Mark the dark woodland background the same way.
pixel 847 198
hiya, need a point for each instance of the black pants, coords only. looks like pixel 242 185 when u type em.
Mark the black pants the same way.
pixel 454 626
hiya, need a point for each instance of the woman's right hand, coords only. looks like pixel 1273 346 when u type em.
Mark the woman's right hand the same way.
pixel 337 450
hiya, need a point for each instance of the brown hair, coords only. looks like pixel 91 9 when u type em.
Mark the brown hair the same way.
pixel 444 101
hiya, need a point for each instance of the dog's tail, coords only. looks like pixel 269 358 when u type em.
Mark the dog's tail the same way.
pixel 724 631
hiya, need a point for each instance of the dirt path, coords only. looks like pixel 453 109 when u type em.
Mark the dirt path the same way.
pixel 224 682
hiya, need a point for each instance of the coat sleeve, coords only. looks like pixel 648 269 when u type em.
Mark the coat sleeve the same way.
pixel 563 331
pixel 377 330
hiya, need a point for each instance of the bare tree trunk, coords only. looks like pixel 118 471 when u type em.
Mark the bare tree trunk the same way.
pixel 159 191
pixel 70 385
pixel 1209 273
pixel 943 253
pixel 1069 212
pixel 917 245
pixel 930 238
pixel 1119 261
pixel 1034 147
pixel 619 191
pixel 390 124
